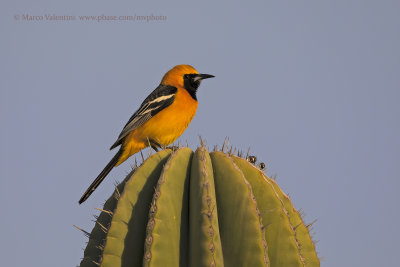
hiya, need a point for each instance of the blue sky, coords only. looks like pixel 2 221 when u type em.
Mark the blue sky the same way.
pixel 312 87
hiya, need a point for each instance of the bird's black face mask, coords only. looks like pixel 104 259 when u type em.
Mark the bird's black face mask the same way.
pixel 191 82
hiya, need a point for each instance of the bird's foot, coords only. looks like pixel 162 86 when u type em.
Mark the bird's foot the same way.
pixel 173 148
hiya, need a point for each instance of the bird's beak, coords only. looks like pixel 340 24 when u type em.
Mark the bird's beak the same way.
pixel 199 77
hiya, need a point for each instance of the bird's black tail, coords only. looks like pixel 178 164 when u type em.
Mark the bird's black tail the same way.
pixel 101 177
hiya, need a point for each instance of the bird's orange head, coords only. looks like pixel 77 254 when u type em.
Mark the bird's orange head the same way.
pixel 184 76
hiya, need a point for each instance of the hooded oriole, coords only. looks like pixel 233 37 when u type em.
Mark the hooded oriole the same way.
pixel 160 120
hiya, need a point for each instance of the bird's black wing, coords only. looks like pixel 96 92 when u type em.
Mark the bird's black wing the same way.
pixel 160 98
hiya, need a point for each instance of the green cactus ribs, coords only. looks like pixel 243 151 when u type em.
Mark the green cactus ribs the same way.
pixel 185 208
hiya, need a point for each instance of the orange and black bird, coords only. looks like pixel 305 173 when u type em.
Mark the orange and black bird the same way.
pixel 160 120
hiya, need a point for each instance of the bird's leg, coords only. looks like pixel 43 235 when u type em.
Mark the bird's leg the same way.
pixel 154 145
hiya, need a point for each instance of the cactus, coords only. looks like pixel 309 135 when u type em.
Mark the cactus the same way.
pixel 185 208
